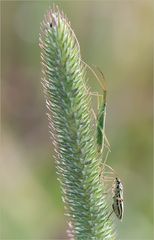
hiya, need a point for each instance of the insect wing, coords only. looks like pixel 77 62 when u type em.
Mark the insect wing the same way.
pixel 118 208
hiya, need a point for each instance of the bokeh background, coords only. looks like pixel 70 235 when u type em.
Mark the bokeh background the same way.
pixel 117 37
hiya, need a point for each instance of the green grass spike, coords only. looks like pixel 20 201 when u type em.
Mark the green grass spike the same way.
pixel 78 165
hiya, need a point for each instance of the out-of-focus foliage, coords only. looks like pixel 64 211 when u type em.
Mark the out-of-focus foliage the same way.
pixel 116 36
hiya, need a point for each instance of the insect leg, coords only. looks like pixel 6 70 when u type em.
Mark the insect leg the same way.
pixel 110 214
pixel 101 111
pixel 91 69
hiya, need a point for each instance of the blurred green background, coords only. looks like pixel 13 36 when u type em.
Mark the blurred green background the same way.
pixel 117 37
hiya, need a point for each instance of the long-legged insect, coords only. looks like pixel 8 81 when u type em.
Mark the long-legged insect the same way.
pixel 117 189
pixel 100 119
pixel 101 138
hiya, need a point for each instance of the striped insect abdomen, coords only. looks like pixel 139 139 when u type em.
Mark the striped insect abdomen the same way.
pixel 118 206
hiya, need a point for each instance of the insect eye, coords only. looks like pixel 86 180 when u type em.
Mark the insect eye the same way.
pixel 117 180
pixel 51 25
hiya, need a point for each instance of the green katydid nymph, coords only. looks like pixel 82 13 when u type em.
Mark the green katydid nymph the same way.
pixel 101 121
pixel 101 114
